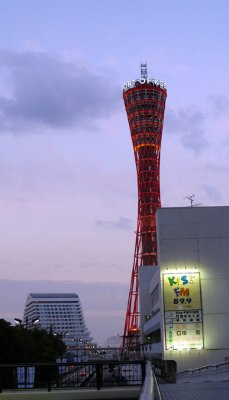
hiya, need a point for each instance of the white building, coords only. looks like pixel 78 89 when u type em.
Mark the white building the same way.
pixel 184 300
pixel 61 313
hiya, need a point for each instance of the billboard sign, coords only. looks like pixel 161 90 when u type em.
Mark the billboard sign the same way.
pixel 182 310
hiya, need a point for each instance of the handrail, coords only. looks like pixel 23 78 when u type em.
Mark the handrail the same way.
pixel 211 372
pixel 150 389
pixel 205 367
pixel 147 389
pixel 157 392
pixel 71 374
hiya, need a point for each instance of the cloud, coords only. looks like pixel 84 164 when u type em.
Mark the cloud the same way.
pixel 92 265
pixel 191 124
pixel 195 140
pixel 217 168
pixel 219 103
pixel 44 91
pixel 212 193
pixel 122 223
pixel 188 123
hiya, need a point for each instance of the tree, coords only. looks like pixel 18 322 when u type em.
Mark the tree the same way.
pixel 18 345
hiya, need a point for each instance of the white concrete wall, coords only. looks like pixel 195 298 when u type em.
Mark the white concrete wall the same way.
pixel 149 277
pixel 146 274
pixel 197 238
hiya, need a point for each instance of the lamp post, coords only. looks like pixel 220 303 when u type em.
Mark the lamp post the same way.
pixel 25 375
pixel 77 341
pixel 26 325
pixel 85 349
pixel 61 335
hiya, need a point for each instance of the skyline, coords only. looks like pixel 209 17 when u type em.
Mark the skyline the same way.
pixel 68 203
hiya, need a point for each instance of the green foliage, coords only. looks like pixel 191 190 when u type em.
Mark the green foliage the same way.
pixel 18 344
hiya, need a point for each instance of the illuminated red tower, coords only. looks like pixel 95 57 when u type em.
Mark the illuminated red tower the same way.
pixel 145 105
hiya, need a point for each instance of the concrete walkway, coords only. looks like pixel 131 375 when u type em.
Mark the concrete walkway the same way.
pixel 195 391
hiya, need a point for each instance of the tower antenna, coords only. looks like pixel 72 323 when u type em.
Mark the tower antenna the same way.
pixel 144 71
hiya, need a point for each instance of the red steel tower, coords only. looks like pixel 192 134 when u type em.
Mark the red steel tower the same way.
pixel 145 105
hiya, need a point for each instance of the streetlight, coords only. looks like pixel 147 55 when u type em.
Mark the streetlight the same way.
pixel 85 349
pixel 61 335
pixel 26 325
pixel 18 321
pixel 27 373
pixel 77 340
pixel 35 320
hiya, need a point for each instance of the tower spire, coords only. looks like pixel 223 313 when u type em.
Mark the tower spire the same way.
pixel 144 71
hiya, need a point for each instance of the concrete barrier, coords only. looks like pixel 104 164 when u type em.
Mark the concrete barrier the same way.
pixel 148 386
pixel 131 393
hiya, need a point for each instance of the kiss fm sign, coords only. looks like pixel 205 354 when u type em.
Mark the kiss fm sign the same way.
pixel 182 311
pixel 143 81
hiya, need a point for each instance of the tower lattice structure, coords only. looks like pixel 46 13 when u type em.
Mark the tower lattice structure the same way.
pixel 145 105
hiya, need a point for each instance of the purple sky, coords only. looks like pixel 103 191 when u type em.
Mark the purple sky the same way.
pixel 68 202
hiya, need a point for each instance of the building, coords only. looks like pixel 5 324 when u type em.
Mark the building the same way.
pixel 184 300
pixel 61 313
pixel 144 100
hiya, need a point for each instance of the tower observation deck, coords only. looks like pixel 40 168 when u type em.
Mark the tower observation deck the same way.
pixel 144 100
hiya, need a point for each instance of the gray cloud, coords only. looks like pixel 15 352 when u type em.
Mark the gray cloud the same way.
pixel 217 168
pixel 212 193
pixel 189 125
pixel 195 140
pixel 182 121
pixel 45 91
pixel 91 265
pixel 122 223
pixel 219 103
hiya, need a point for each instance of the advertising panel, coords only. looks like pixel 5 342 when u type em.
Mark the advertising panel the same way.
pixel 183 310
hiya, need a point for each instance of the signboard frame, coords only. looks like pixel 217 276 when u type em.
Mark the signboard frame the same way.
pixel 183 314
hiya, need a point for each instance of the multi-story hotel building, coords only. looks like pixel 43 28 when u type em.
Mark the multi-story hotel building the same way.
pixel 61 313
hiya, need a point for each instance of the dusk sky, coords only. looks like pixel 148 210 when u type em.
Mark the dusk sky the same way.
pixel 68 192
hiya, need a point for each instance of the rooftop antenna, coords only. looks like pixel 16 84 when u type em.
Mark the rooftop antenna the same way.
pixel 190 198
pixel 144 71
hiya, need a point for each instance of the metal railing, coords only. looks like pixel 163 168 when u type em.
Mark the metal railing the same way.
pixel 212 372
pixel 150 389
pixel 53 376
pixel 156 389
